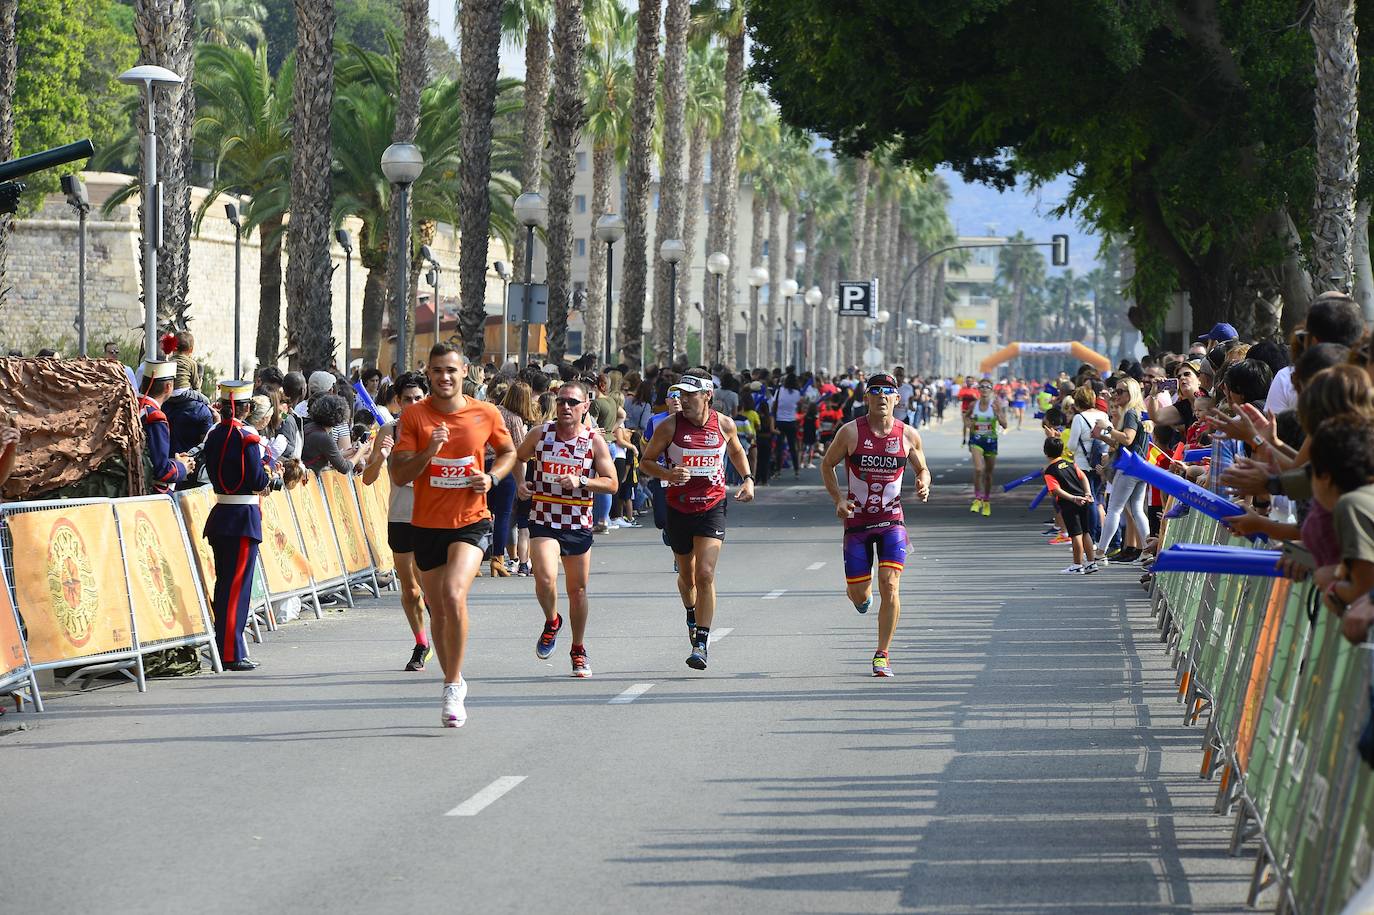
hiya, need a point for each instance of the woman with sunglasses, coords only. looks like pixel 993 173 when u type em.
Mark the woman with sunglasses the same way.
pixel 1127 492
pixel 984 418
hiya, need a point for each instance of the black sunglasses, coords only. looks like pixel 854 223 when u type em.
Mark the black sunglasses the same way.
pixel 569 402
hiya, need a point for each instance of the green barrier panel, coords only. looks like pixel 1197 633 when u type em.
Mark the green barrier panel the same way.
pixel 1333 772
pixel 1233 689
pixel 1288 815
pixel 1352 858
pixel 1273 727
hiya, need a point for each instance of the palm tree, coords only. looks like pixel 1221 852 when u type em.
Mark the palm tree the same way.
pixel 758 133
pixel 309 300
pixel 9 12
pixel 413 75
pixel 480 22
pixel 243 126
pixel 166 37
pixel 1019 269
pixel 727 22
pixel 705 69
pixel 676 20
pixel 566 116
pixel 1338 146
pixel 527 24
pixel 608 77
pixel 634 286
pixel 364 123
pixel 855 264
pixel 232 23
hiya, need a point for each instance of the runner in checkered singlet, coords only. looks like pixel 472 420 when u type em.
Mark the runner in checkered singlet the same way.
pixel 571 463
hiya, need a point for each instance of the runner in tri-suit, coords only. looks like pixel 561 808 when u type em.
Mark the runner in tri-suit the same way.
pixel 875 450
pixel 695 443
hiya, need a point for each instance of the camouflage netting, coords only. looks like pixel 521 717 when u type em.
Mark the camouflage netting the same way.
pixel 78 418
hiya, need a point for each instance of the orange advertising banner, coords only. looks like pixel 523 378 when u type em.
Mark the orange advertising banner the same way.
pixel 195 511
pixel 311 515
pixel 374 501
pixel 69 582
pixel 284 562
pixel 348 525
pixel 11 642
pixel 162 585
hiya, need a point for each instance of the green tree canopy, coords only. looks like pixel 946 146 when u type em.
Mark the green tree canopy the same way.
pixel 68 54
pixel 1186 125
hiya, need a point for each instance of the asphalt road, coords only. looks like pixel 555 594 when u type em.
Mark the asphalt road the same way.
pixel 1028 756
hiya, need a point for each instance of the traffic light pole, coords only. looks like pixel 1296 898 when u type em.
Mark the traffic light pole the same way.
pixel 1060 245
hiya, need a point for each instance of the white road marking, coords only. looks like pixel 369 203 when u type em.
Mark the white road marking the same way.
pixel 631 694
pixel 718 634
pixel 774 595
pixel 486 797
pixel 814 566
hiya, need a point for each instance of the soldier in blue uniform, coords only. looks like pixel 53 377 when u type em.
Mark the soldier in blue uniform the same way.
pixel 233 458
pixel 168 469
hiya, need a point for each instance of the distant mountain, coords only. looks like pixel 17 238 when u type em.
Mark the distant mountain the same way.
pixel 976 209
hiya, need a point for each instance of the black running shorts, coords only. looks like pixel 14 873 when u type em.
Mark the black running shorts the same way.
pixel 400 536
pixel 682 528
pixel 432 543
pixel 571 542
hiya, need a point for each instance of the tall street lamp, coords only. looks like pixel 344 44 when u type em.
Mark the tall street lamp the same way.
pixel 75 189
pixel 610 228
pixel 718 264
pixel 346 242
pixel 149 76
pixel 231 213
pixel 504 272
pixel 813 297
pixel 758 278
pixel 531 210
pixel 788 289
pixel 674 251
pixel 402 164
pixel 832 331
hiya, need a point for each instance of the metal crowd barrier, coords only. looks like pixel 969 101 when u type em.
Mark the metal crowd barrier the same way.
pixel 1283 699
pixel 92 586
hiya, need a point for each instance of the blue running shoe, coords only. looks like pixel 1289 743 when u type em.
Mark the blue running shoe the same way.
pixel 698 659
pixel 544 647
pixel 863 608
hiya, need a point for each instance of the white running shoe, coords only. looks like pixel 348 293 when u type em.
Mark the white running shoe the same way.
pixel 1072 570
pixel 454 714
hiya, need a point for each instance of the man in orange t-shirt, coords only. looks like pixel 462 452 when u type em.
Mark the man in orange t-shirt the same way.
pixel 440 445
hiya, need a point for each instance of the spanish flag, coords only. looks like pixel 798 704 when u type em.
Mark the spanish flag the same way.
pixel 1156 455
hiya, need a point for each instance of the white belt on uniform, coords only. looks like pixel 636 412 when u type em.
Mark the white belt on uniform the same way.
pixel 223 499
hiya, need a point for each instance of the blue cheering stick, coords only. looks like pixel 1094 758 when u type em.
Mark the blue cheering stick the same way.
pixel 1020 481
pixel 380 414
pixel 1193 455
pixel 1186 491
pixel 1039 497
pixel 1226 560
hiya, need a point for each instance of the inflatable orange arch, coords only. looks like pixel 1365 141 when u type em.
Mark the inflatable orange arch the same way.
pixel 1072 348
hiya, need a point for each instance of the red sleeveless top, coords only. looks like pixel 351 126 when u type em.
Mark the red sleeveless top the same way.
pixel 701 449
pixel 874 470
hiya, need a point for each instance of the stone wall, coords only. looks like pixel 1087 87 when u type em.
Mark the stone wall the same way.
pixel 42 275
